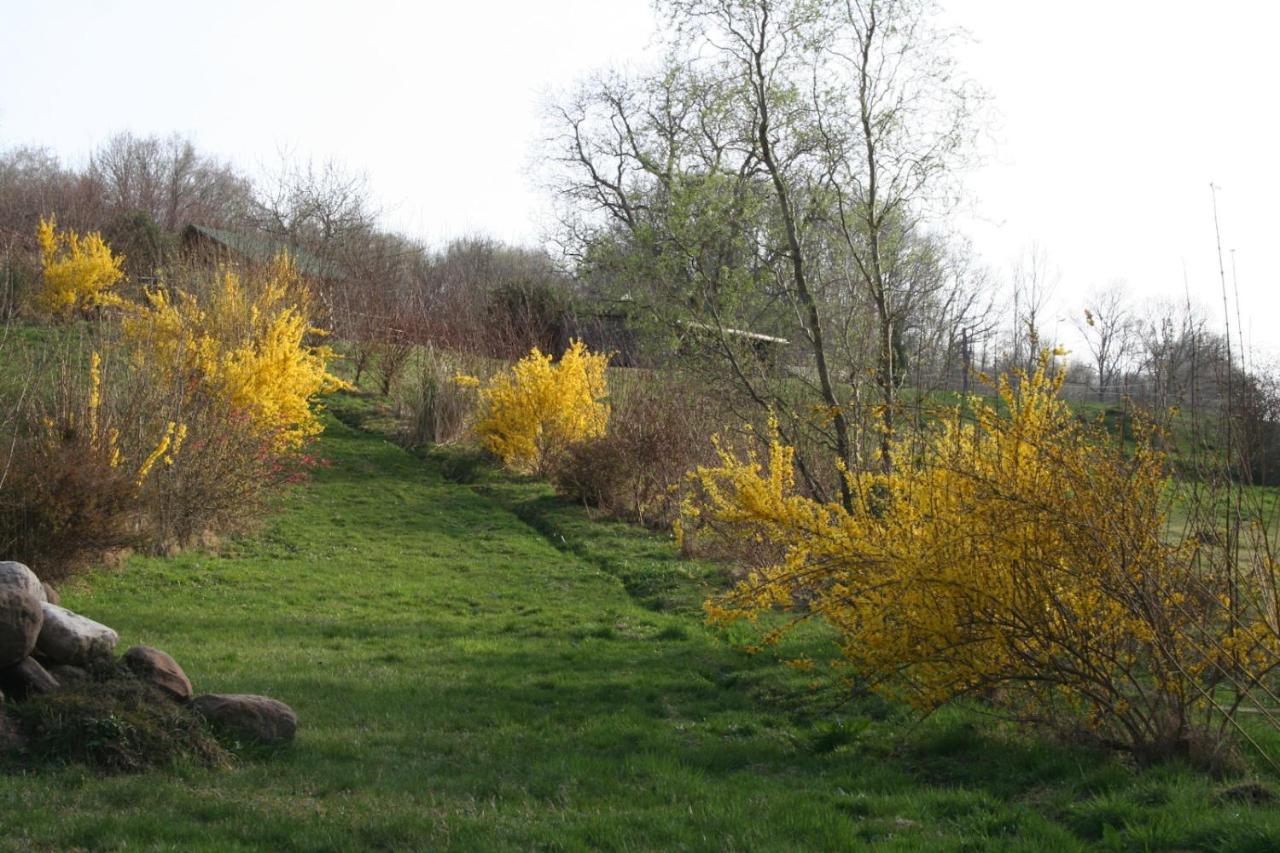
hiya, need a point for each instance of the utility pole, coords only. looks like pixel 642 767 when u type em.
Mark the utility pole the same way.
pixel 1234 500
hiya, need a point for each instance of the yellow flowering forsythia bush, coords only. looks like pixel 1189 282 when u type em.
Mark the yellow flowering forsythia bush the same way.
pixel 531 414
pixel 195 406
pixel 243 344
pixel 1016 555
pixel 79 272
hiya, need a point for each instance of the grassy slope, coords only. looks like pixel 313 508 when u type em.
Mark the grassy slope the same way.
pixel 464 683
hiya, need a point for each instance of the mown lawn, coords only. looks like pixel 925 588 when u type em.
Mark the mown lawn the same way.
pixel 479 666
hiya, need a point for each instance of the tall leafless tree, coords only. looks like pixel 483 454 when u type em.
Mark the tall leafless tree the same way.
pixel 170 181
pixel 1033 283
pixel 777 176
pixel 1110 330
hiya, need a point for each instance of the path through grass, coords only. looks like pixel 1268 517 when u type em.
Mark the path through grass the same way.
pixel 482 667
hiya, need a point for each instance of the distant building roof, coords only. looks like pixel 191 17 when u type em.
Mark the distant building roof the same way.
pixel 736 333
pixel 261 248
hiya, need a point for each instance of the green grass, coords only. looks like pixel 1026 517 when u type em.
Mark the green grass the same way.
pixel 480 666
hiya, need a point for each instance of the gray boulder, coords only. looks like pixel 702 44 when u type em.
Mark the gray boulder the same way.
pixel 70 638
pixel 156 667
pixel 21 614
pixel 257 718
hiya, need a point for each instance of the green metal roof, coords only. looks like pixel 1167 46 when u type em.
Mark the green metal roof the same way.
pixel 262 248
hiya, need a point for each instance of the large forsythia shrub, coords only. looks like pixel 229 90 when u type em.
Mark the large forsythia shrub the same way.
pixel 533 412
pixel 195 406
pixel 244 343
pixel 1014 554
pixel 79 272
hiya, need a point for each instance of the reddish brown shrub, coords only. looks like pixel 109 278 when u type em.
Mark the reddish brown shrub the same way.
pixel 660 429
pixel 64 505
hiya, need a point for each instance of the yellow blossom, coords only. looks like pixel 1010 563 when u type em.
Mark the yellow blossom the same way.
pixel 243 344
pixel 79 272
pixel 532 412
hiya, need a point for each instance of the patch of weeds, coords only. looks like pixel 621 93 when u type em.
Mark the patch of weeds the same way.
pixel 952 740
pixel 1150 794
pixel 857 806
pixel 594 631
pixel 1252 792
pixel 830 735
pixel 115 724
pixel 462 465
pixel 1096 818
pixel 672 632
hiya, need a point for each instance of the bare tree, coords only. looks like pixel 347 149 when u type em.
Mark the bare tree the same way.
pixel 894 121
pixel 168 180
pixel 481 295
pixel 34 183
pixel 324 208
pixel 1178 356
pixel 776 178
pixel 1110 332
pixel 1033 282
pixel 948 320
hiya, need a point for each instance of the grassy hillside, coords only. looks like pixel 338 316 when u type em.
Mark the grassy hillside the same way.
pixel 480 666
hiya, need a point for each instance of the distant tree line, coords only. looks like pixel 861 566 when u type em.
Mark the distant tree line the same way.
pixel 380 290
pixel 682 246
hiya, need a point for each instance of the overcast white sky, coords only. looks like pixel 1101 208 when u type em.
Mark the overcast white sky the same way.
pixel 1111 117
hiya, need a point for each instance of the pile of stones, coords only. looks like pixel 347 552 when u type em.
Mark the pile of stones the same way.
pixel 44 646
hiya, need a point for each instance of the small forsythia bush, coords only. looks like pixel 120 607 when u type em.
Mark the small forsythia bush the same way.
pixel 1015 554
pixel 80 469
pixel 79 272
pixel 530 414
pixel 105 440
pixel 242 342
